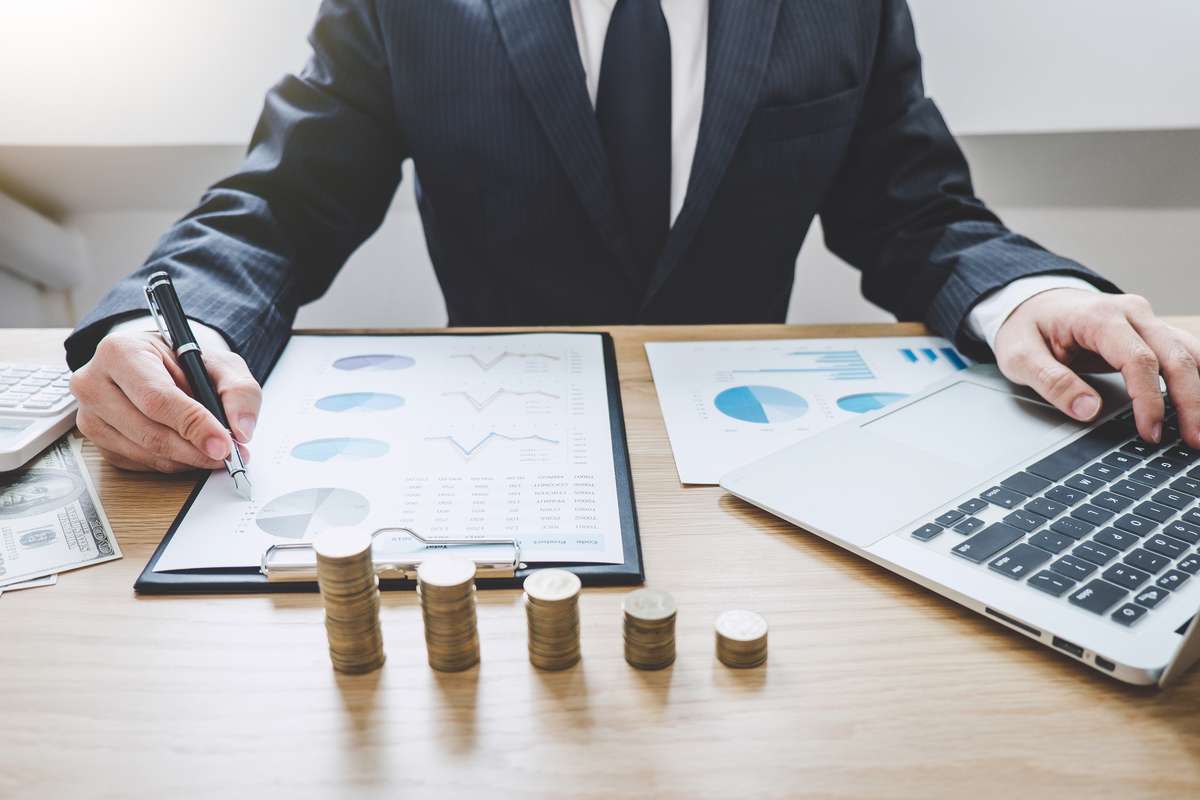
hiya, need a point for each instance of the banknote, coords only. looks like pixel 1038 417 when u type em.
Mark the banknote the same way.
pixel 50 518
pixel 36 583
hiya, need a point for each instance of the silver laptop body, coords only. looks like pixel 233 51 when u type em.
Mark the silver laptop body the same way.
pixel 869 484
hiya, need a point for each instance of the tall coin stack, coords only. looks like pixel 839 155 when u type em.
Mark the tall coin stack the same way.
pixel 649 629
pixel 552 607
pixel 741 639
pixel 350 590
pixel 446 587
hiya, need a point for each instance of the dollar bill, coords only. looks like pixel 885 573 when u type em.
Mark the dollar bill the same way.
pixel 50 518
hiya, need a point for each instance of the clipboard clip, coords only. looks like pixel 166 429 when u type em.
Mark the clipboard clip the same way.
pixel 397 552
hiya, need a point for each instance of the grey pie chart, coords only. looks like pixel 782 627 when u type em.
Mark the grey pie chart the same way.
pixel 296 515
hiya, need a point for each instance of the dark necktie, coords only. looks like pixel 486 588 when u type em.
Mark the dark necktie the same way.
pixel 633 107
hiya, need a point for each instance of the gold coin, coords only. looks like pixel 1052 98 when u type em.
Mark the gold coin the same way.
pixel 337 544
pixel 445 571
pixel 741 626
pixel 649 605
pixel 552 585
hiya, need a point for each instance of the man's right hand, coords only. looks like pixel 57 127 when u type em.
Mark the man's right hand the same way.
pixel 135 405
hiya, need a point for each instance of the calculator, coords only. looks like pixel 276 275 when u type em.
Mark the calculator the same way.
pixel 36 407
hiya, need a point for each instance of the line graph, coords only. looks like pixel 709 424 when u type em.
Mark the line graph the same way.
pixel 474 449
pixel 480 405
pixel 487 364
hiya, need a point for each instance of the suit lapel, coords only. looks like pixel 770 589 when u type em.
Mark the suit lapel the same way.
pixel 539 36
pixel 739 42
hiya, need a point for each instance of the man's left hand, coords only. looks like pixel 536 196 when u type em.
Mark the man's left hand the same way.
pixel 1057 333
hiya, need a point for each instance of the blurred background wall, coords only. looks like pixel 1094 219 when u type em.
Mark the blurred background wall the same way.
pixel 1081 122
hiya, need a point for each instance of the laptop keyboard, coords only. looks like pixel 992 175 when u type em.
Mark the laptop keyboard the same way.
pixel 1109 522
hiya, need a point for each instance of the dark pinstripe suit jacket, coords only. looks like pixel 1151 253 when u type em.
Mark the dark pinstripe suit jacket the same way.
pixel 811 107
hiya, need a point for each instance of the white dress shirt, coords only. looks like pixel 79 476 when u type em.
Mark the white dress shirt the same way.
pixel 687 24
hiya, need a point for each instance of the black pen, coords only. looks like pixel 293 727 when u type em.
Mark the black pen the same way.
pixel 177 333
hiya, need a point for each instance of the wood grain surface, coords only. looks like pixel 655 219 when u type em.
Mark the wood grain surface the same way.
pixel 874 686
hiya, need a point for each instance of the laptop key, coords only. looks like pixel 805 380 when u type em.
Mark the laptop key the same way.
pixel 987 542
pixel 1049 540
pixel 1025 483
pixel 1151 596
pixel 1184 531
pixel 1066 460
pixel 1121 540
pixel 1098 554
pixel 1061 494
pixel 1093 515
pixel 1103 472
pixel 969 525
pixel 1192 516
pixel 1182 453
pixel 1069 526
pixel 1019 561
pixel 1127 488
pixel 1025 521
pixel 1121 460
pixel 1168 465
pixel 1128 615
pixel 950 517
pixel 1125 575
pixel 1074 568
pixel 927 532
pixel 1139 448
pixel 1046 508
pixel 1145 560
pixel 1190 565
pixel 1097 596
pixel 1051 583
pixel 972 506
pixel 1172 579
pixel 1083 483
pixel 1135 525
pixel 1176 500
pixel 1164 546
pixel 1187 486
pixel 1154 511
pixel 1150 477
pixel 1005 498
pixel 1113 502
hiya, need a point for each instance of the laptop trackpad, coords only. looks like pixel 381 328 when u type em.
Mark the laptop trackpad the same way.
pixel 975 426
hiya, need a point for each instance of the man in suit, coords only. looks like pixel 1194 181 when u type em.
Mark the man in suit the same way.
pixel 607 161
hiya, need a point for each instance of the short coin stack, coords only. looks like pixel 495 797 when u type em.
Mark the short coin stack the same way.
pixel 552 607
pixel 649 629
pixel 741 639
pixel 350 590
pixel 446 587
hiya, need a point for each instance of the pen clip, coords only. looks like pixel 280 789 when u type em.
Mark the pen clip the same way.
pixel 156 313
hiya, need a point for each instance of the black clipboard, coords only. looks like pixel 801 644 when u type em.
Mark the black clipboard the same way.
pixel 247 580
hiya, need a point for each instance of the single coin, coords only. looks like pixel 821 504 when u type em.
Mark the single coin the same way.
pixel 741 626
pixel 445 571
pixel 552 585
pixel 649 604
pixel 339 543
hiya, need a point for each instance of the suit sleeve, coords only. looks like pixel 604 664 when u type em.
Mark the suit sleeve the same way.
pixel 903 210
pixel 319 175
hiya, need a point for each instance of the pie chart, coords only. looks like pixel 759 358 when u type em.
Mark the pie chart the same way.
pixel 762 404
pixel 347 448
pixel 298 514
pixel 374 361
pixel 360 401
pixel 868 401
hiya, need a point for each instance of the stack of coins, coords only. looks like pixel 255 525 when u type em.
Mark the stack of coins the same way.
pixel 552 607
pixel 649 629
pixel 446 587
pixel 741 639
pixel 350 590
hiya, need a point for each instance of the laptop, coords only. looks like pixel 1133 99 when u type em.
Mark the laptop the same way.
pixel 1082 537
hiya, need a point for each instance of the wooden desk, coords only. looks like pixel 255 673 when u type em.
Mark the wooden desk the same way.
pixel 874 686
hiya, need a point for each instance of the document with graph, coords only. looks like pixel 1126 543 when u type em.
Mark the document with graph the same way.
pixel 729 403
pixel 453 436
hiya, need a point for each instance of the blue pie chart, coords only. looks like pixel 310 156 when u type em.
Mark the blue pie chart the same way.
pixel 761 404
pixel 374 361
pixel 341 448
pixel 360 401
pixel 868 401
